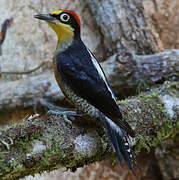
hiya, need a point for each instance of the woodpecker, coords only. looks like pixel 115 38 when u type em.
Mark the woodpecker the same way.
pixel 83 82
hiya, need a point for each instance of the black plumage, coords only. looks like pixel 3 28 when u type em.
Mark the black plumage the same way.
pixel 77 70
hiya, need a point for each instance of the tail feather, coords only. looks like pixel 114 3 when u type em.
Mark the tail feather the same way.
pixel 131 154
pixel 120 142
pixel 116 145
pixel 125 151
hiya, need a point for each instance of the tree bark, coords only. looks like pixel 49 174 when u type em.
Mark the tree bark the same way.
pixel 129 73
pixel 48 143
pixel 123 24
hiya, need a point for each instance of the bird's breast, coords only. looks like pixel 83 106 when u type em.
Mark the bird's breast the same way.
pixel 58 77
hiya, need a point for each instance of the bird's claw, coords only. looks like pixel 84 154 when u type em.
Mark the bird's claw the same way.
pixel 65 115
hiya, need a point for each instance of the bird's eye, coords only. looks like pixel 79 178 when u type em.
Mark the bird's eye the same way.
pixel 64 17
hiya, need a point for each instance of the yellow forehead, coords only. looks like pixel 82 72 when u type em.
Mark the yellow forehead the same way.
pixel 56 12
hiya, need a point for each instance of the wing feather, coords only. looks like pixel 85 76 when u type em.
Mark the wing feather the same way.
pixel 86 78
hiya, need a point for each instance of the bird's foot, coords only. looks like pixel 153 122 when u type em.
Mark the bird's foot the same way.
pixel 65 115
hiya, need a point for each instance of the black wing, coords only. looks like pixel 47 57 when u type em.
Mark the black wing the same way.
pixel 83 77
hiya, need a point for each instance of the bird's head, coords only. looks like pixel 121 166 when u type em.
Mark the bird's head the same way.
pixel 65 23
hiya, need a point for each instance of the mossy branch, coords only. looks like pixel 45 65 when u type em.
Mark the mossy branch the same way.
pixel 48 143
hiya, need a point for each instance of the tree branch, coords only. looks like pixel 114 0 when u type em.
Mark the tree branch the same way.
pixel 129 73
pixel 6 24
pixel 23 72
pixel 48 143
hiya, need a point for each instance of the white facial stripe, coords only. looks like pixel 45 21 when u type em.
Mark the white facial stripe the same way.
pixel 101 74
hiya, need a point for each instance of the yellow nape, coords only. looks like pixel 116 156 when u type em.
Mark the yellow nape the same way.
pixel 65 33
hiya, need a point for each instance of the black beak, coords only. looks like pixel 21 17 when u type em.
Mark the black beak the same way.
pixel 45 17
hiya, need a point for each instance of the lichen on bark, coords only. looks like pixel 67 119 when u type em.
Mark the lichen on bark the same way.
pixel 48 143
